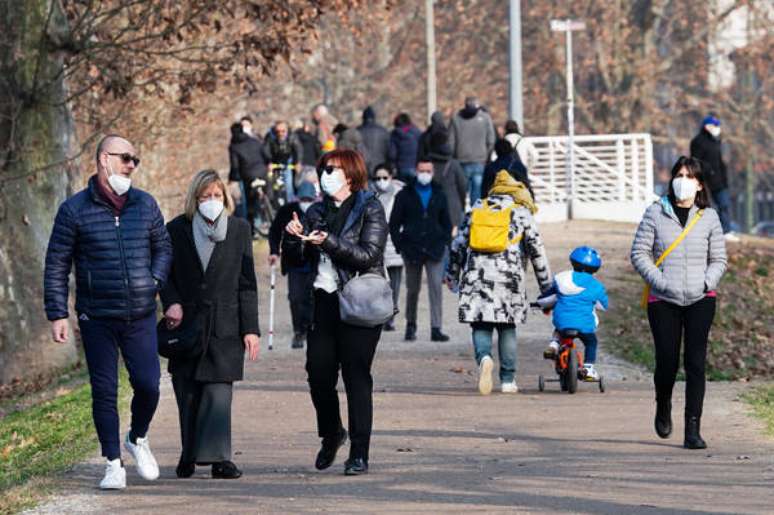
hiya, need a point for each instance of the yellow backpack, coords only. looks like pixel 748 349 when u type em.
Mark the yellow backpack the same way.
pixel 489 229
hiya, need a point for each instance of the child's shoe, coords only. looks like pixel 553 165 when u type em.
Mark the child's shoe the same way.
pixel 552 350
pixel 591 372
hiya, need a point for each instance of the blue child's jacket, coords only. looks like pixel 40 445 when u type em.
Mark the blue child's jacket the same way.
pixel 577 296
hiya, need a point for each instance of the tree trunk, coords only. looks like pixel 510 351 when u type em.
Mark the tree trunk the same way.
pixel 36 131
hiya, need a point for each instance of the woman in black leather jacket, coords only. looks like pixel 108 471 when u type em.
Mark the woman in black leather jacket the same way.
pixel 344 235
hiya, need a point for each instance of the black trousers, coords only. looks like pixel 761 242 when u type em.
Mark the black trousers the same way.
pixel 300 296
pixel 331 345
pixel 670 324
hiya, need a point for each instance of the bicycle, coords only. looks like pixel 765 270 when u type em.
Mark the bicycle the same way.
pixel 568 363
pixel 284 181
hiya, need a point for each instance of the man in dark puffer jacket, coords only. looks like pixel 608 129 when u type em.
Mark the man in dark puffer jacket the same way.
pixel 116 236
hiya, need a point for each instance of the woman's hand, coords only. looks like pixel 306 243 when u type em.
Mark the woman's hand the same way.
pixel 316 237
pixel 174 315
pixel 252 345
pixel 295 227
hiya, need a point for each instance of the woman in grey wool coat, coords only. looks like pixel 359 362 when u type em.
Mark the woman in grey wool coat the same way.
pixel 682 297
pixel 387 187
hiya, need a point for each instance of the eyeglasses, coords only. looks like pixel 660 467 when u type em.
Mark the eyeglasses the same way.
pixel 330 168
pixel 126 157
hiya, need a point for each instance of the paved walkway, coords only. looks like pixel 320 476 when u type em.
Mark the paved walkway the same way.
pixel 440 447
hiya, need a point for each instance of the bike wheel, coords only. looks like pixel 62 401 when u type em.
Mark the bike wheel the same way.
pixel 572 372
pixel 266 214
pixel 541 383
pixel 602 385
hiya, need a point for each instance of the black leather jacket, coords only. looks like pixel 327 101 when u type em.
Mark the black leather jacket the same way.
pixel 358 248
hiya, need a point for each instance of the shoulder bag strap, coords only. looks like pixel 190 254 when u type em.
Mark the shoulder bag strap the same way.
pixel 673 246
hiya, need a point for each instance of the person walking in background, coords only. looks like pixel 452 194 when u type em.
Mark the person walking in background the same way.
pixel 527 152
pixel 212 281
pixel 388 187
pixel 449 174
pixel 247 125
pixel 509 161
pixel 437 126
pixel 404 140
pixel 236 186
pixel 349 139
pixel 344 235
pixel 310 151
pixel 420 228
pixel 707 148
pixel 472 138
pixel 282 149
pixel 376 141
pixel 489 274
pixel 115 235
pixel 247 162
pixel 324 123
pixel 300 276
pixel 680 252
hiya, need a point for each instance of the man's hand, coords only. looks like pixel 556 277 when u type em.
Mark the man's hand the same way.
pixel 236 191
pixel 60 330
pixel 174 315
pixel 273 258
pixel 252 345
pixel 455 230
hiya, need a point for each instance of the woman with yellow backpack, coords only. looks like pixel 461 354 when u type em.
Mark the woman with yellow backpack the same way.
pixel 487 265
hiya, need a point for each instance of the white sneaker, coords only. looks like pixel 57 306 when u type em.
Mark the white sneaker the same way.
pixel 733 238
pixel 591 372
pixel 485 375
pixel 509 387
pixel 115 476
pixel 147 467
pixel 552 350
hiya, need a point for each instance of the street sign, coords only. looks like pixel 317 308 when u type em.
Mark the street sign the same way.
pixel 565 25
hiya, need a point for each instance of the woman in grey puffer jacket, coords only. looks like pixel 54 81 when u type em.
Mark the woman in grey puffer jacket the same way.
pixel 682 297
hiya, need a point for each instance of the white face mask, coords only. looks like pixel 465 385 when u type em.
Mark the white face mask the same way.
pixel 382 184
pixel 119 183
pixel 332 182
pixel 304 205
pixel 685 188
pixel 211 209
pixel 424 178
pixel 713 129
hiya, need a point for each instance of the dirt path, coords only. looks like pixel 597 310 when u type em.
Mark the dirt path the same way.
pixel 440 447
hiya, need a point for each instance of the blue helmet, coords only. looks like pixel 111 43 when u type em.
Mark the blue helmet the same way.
pixel 586 259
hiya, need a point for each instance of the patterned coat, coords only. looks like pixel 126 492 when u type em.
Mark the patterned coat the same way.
pixel 492 287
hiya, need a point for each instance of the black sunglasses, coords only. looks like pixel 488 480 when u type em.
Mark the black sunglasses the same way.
pixel 330 168
pixel 126 157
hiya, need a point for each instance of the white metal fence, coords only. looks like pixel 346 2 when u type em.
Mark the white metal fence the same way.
pixel 612 176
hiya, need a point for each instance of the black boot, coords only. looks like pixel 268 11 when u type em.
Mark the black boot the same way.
pixel 693 439
pixel 411 332
pixel 330 446
pixel 185 469
pixel 355 467
pixel 225 470
pixel 663 421
pixel 437 336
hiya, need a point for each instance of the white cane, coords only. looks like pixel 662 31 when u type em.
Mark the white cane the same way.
pixel 271 306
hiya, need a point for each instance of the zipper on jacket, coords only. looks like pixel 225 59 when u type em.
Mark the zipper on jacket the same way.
pixel 125 269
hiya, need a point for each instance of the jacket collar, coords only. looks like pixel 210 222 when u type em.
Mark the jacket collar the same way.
pixel 666 206
pixel 97 199
pixel 362 198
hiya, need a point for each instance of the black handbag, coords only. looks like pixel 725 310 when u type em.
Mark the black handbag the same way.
pixel 185 341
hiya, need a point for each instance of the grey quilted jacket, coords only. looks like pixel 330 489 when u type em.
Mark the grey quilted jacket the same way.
pixel 693 268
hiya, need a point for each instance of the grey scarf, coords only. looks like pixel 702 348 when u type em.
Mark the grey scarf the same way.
pixel 206 236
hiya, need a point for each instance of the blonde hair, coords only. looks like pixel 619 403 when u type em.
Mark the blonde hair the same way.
pixel 200 182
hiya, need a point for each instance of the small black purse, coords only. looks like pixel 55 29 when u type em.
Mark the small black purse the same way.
pixel 184 341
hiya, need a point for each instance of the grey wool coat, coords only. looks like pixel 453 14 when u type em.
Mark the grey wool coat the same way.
pixel 693 268
pixel 493 287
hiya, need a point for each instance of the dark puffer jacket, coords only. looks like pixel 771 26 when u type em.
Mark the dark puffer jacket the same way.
pixel 706 148
pixel 120 262
pixel 357 248
pixel 420 234
pixel 247 158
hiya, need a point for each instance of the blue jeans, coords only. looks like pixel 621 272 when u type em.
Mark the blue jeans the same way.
pixel 722 199
pixel 506 343
pixel 137 341
pixel 240 210
pixel 475 174
pixel 288 179
pixel 589 347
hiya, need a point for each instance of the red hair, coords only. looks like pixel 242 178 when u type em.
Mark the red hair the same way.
pixel 353 165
